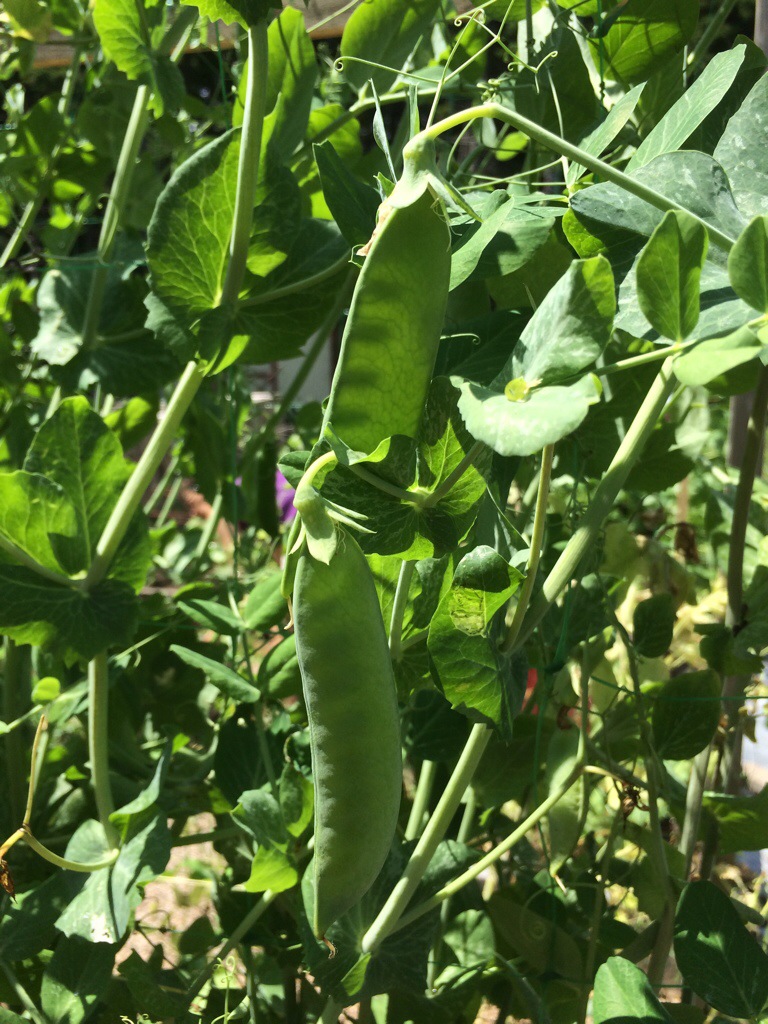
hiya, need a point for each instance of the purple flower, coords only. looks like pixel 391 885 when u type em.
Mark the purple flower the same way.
pixel 284 494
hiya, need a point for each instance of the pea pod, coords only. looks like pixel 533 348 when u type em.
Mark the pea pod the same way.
pixel 351 700
pixel 393 329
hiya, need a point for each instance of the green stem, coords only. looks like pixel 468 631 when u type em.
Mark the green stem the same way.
pixel 421 796
pixel 164 481
pixel 647 357
pixel 20 556
pixel 118 197
pixel 657 852
pixel 386 921
pixel 467 820
pixel 733 685
pixel 567 149
pixel 490 858
pixel 146 467
pixel 21 994
pixel 604 498
pixel 247 922
pixel 216 836
pixel 34 768
pixel 359 107
pixel 537 542
pixel 17 678
pixel 170 501
pixel 399 606
pixel 98 742
pixel 248 165
pixel 734 615
pixel 455 475
pixel 693 801
pixel 207 533
pixel 715 23
pixel 297 286
pixel 70 865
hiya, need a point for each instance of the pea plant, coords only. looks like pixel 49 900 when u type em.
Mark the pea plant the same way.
pixel 432 696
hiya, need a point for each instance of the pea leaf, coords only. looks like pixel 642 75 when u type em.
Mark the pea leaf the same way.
pixel 652 625
pixel 79 453
pixel 148 991
pixel 569 107
pixel 122 39
pixel 383 33
pixel 223 678
pixel 686 712
pixel 102 911
pixel 668 274
pixel 715 356
pixel 35 514
pixel 279 674
pixel 696 103
pixel 463 640
pixel 506 239
pixel 244 12
pixel 415 531
pixel 265 606
pixel 544 944
pixel 75 979
pixel 273 869
pixel 742 821
pixel 600 138
pixel 292 74
pixel 717 956
pixel 352 203
pixel 569 329
pixel 644 35
pixel 188 236
pixel 125 359
pixel 523 426
pixel 694 181
pixel 742 151
pixel 623 995
pixel 748 264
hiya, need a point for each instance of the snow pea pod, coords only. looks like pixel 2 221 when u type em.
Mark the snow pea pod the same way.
pixel 351 701
pixel 393 329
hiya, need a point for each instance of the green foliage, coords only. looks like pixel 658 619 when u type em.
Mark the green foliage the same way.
pixel 486 620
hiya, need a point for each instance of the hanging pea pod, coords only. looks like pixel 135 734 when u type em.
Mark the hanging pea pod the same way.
pixel 393 329
pixel 351 700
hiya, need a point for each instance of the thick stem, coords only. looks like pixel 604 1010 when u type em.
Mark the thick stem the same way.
pixel 559 145
pixel 437 826
pixel 248 166
pixel 121 189
pixel 421 796
pixel 98 742
pixel 733 685
pixel 693 800
pixel 537 541
pixel 147 466
pixel 399 606
pixel 603 500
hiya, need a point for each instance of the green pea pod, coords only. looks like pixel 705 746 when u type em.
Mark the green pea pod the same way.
pixel 393 329
pixel 351 699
